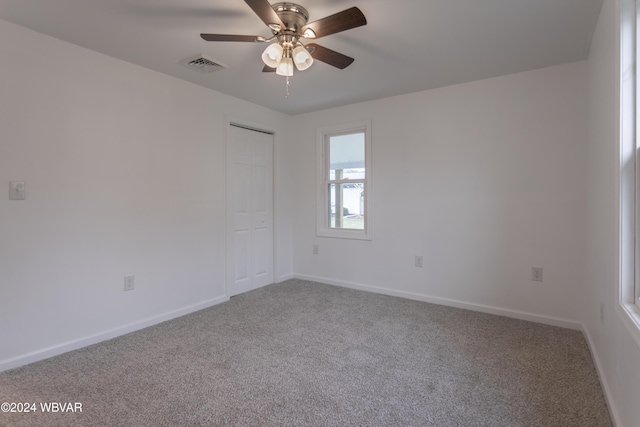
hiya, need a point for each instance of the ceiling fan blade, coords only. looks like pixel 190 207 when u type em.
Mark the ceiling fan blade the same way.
pixel 231 38
pixel 268 69
pixel 329 56
pixel 263 9
pixel 341 21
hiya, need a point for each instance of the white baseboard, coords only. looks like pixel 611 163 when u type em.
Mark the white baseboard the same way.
pixel 150 321
pixel 522 315
pixel 106 335
pixel 615 417
pixel 284 278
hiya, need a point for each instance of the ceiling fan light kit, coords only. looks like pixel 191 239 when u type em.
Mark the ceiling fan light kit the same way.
pixel 288 23
pixel 279 52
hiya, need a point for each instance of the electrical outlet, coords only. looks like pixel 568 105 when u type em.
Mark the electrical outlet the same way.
pixel 536 274
pixel 129 283
pixel 316 250
pixel 418 261
pixel 601 312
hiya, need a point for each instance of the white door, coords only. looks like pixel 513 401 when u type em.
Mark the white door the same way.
pixel 249 210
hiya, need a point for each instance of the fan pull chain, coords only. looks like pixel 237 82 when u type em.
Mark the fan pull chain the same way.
pixel 287 90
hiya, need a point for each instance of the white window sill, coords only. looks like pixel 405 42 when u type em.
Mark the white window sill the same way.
pixel 344 234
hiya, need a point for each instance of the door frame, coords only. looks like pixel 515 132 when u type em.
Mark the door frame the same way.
pixel 257 127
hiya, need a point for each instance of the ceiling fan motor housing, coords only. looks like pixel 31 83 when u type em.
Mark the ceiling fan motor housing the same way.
pixel 293 16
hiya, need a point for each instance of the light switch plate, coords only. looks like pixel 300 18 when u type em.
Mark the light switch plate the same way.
pixel 17 190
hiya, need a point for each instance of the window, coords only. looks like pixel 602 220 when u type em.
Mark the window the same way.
pixel 344 178
pixel 629 293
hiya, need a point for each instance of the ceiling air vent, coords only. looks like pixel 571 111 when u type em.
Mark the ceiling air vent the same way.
pixel 203 63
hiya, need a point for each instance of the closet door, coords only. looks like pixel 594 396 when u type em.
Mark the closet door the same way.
pixel 249 210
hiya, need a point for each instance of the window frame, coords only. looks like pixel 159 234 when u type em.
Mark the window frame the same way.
pixel 322 180
pixel 629 169
pixel 636 147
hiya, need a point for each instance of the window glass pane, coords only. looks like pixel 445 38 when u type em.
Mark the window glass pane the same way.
pixel 346 156
pixel 347 206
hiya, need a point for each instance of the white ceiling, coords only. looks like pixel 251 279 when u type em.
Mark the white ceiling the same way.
pixel 406 46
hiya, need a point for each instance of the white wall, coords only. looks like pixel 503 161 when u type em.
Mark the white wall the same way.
pixel 617 353
pixel 124 170
pixel 485 180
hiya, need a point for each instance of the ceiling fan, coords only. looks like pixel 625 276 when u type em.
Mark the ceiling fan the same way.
pixel 288 23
